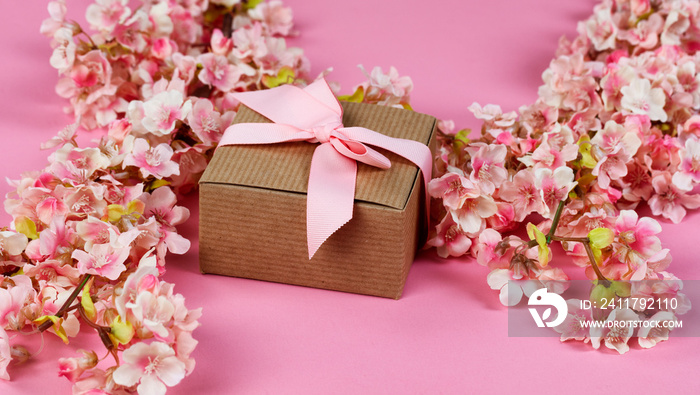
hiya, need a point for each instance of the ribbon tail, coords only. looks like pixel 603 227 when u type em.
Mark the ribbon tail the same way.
pixel 414 151
pixel 262 133
pixel 330 197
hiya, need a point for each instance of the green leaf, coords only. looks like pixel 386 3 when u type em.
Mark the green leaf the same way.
pixel 601 237
pixel 543 252
pixel 121 331
pixel 584 148
pixel 357 97
pixel 86 302
pixel 250 4
pixel 60 332
pixel 155 184
pixel 27 227
pixel 461 139
pixel 284 76
pixel 605 291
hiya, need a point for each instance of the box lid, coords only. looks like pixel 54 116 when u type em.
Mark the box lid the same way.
pixel 285 167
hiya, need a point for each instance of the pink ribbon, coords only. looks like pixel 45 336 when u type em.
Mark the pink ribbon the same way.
pixel 313 114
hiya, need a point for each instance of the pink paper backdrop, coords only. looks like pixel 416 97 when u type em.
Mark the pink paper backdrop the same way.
pixel 448 334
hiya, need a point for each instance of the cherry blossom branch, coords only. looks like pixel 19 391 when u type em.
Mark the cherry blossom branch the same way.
pixel 67 305
pixel 102 331
pixel 555 221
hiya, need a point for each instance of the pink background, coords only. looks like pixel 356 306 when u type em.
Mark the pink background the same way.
pixel 448 334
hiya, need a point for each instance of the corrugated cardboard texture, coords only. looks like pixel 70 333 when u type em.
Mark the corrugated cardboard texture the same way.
pixel 253 212
pixel 285 167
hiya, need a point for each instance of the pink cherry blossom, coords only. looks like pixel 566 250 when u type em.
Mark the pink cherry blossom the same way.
pixel 54 271
pixel 636 244
pixel 152 366
pixel 539 116
pixel 677 22
pixel 143 279
pixel 472 212
pixel 84 200
pixel 488 171
pixel 153 312
pixel 670 201
pixel 664 287
pixel 450 239
pixel 104 15
pixel 63 55
pixel 160 18
pixel 617 334
pixel 614 80
pixel 391 82
pixel 77 164
pixel 220 45
pixel 640 98
pixel 57 15
pixel 13 300
pixel 554 186
pixel 523 194
pixel 205 122
pixel 493 115
pixel 5 354
pixel 601 29
pixel 645 34
pixel 94 231
pixel 192 163
pixel 689 168
pixel 637 183
pixel 12 243
pixel 102 260
pixel 657 329
pixel 689 81
pixel 453 189
pixel 550 157
pixel 249 42
pixel 161 204
pixel 64 136
pixel 574 326
pixel 510 290
pixel 491 250
pixel 274 16
pixel 73 368
pixel 154 161
pixel 502 219
pixel 218 72
pixel 163 48
pixel 184 346
pixel 163 110
pixel 90 79
pixel 54 242
pixel 615 146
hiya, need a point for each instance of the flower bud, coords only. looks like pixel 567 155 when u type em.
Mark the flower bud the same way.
pixel 20 354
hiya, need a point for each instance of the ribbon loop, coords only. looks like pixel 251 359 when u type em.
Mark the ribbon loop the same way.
pixel 313 114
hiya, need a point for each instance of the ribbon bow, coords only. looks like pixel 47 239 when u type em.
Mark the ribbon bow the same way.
pixel 313 114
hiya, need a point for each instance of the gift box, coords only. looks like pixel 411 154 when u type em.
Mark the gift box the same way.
pixel 253 210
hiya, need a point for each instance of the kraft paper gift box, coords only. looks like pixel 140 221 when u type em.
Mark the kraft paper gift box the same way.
pixel 253 211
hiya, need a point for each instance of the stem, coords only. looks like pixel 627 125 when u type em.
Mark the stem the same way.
pixel 555 222
pixel 591 257
pixel 227 25
pixel 67 305
pixel 102 331
pixel 81 310
pixel 574 239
